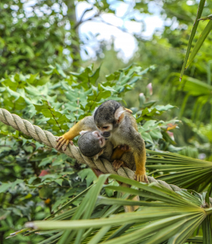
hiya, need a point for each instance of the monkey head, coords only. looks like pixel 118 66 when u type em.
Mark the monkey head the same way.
pixel 108 116
pixel 91 143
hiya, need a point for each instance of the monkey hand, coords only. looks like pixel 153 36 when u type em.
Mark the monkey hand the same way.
pixel 64 139
pixel 141 177
pixel 117 164
pixel 124 148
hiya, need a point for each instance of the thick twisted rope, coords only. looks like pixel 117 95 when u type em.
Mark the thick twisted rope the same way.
pixel 49 139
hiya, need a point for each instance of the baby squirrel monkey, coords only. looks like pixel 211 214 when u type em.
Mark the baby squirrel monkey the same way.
pixel 92 144
pixel 118 126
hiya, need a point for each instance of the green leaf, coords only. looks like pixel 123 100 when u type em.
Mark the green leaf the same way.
pixel 87 174
pixel 156 133
pixel 199 43
pixel 59 181
pixel 4 187
pixel 194 28
pixel 47 160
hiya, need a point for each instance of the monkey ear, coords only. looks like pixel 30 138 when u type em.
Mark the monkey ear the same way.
pixel 83 132
pixel 128 110
pixel 119 114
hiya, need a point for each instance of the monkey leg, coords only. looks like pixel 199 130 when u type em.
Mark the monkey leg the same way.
pixel 136 198
pixel 119 151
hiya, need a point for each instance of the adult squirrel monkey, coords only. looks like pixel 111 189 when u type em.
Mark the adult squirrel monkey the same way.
pixel 118 126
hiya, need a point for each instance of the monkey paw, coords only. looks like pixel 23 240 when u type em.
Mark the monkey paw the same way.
pixel 61 141
pixel 117 164
pixel 124 148
pixel 141 177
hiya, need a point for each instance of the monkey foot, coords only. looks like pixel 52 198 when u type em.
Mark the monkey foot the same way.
pixel 124 148
pixel 117 164
pixel 141 177
pixel 61 141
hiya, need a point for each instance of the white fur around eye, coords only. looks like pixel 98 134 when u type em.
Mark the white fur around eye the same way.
pixel 110 127
pixel 118 113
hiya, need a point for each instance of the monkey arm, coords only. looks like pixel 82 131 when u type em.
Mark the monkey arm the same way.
pixel 86 123
pixel 117 154
pixel 119 151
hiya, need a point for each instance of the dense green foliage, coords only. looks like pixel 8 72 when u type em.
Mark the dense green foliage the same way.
pixel 44 80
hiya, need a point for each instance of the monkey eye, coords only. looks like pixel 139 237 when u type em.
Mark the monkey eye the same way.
pixel 105 127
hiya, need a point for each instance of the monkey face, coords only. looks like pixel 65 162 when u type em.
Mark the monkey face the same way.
pixel 108 117
pixel 106 130
pixel 101 140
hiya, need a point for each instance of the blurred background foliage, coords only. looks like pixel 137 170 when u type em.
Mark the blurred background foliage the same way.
pixel 44 79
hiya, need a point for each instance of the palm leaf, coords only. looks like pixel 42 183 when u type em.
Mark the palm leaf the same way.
pixel 87 204
pixel 182 171
pixel 163 215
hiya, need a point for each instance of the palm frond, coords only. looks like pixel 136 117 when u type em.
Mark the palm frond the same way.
pixel 163 215
pixel 180 170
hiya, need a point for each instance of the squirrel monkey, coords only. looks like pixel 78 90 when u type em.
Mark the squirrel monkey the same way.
pixel 119 126
pixel 93 144
pixel 84 124
pixel 116 124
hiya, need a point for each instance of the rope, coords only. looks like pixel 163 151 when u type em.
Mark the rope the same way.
pixel 72 151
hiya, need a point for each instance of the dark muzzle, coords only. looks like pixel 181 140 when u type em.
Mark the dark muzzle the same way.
pixel 106 134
